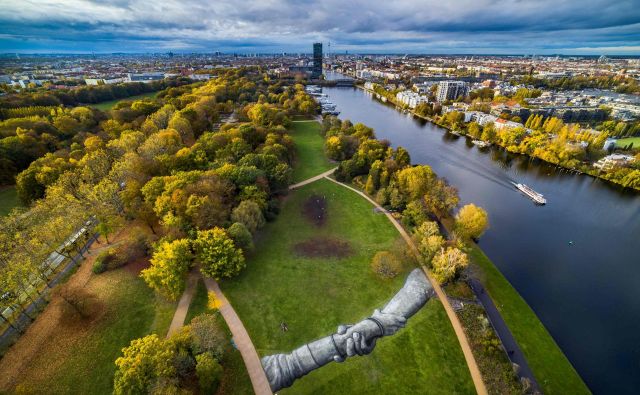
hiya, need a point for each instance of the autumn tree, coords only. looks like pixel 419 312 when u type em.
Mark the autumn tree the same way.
pixel 217 254
pixel 471 221
pixel 169 266
pixel 428 240
pixel 144 361
pixel 386 265
pixel 447 263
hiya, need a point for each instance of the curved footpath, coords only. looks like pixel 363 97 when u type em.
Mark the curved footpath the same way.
pixel 245 345
pixel 476 376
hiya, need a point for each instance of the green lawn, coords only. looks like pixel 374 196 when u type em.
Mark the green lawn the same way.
pixel 552 369
pixel 314 295
pixel 80 359
pixel 107 105
pixel 309 142
pixel 8 200
pixel 624 142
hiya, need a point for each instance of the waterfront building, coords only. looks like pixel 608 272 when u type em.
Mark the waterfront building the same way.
pixel 450 90
pixel 610 161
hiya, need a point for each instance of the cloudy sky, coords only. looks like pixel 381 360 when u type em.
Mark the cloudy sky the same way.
pixel 399 26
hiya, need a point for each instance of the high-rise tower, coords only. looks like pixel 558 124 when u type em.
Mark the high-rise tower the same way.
pixel 317 61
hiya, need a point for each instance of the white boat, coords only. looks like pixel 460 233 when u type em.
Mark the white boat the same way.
pixel 538 198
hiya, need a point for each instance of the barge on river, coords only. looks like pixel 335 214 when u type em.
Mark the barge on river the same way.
pixel 537 198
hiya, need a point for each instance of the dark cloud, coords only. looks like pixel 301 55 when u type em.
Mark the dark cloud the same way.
pixel 507 26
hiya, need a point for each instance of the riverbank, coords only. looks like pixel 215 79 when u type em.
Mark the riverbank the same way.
pixel 548 382
pixel 586 170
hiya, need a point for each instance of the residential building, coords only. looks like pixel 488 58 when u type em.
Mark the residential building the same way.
pixel 450 90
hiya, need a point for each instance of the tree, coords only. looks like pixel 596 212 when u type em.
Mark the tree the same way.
pixel 428 240
pixel 386 265
pixel 447 263
pixel 471 221
pixel 169 266
pixel 249 214
pixel 241 236
pixel 207 336
pixel 217 254
pixel 209 373
pixel 142 362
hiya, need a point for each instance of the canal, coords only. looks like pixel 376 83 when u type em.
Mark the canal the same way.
pixel 586 293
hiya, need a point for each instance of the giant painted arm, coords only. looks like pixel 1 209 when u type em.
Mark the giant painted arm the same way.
pixel 283 369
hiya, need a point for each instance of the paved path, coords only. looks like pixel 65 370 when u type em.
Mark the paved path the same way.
pixel 241 339
pixel 457 327
pixel 510 344
pixel 312 179
pixel 184 303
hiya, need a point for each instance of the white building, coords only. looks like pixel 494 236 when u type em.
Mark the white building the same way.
pixel 504 124
pixel 411 99
pixel 450 90
pixel 613 160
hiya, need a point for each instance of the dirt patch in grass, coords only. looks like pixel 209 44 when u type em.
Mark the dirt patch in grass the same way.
pixel 137 266
pixel 323 247
pixel 314 210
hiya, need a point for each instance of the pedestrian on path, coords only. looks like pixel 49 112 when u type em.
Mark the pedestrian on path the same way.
pixel 283 326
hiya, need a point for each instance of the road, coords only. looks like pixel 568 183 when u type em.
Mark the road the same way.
pixel 508 341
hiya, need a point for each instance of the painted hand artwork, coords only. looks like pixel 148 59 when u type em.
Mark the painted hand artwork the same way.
pixel 359 339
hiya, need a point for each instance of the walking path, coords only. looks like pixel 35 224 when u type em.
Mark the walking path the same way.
pixel 312 179
pixel 241 339
pixel 184 303
pixel 457 327
pixel 510 344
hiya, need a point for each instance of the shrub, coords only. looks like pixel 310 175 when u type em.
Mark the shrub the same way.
pixel 241 236
pixel 207 336
pixel 102 260
pixel 130 249
pixel 209 373
pixel 386 265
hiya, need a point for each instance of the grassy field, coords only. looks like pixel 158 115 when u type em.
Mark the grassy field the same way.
pixel 624 142
pixel 107 105
pixel 552 369
pixel 79 357
pixel 311 160
pixel 314 295
pixel 8 200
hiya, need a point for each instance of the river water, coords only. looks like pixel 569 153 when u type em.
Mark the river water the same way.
pixel 586 293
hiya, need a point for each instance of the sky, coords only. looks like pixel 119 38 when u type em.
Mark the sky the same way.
pixel 590 27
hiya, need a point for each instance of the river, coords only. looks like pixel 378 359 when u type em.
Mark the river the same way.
pixel 586 293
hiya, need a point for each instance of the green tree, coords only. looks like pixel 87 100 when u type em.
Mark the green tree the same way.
pixel 209 373
pixel 217 254
pixel 169 266
pixel 471 221
pixel 249 214
pixel 241 236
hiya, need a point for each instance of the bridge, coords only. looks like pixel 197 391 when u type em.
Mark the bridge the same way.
pixel 338 82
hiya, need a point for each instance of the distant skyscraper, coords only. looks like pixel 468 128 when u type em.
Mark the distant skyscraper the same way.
pixel 317 60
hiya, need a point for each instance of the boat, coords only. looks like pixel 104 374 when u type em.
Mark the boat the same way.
pixel 480 143
pixel 537 198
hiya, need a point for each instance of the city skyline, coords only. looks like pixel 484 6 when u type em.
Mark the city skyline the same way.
pixel 486 27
